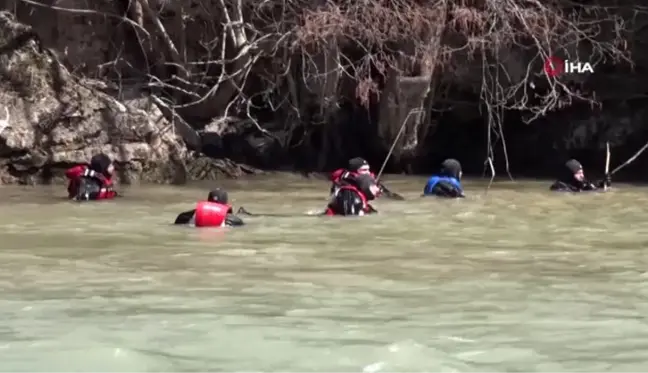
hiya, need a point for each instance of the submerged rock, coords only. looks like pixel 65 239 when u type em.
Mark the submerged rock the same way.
pixel 205 168
pixel 56 119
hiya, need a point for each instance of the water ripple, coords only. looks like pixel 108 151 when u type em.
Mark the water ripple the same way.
pixel 514 280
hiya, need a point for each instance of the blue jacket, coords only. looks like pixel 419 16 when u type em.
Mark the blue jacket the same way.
pixel 434 180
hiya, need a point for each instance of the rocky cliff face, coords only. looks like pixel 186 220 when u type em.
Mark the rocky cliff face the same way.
pixel 54 120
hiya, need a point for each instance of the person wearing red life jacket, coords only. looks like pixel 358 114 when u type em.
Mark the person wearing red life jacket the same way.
pixel 352 197
pixel 214 212
pixel 357 166
pixel 91 182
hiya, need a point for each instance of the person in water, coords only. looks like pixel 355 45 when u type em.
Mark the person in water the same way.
pixel 572 179
pixel 90 182
pixel 447 182
pixel 357 166
pixel 214 212
pixel 353 195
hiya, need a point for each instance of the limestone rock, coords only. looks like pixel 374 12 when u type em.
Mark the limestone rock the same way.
pixel 57 119
pixel 205 168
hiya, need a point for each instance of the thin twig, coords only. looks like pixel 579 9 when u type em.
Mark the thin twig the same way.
pixel 630 160
pixel 189 135
pixel 492 168
pixel 87 11
pixel 173 51
pixel 607 162
pixel 400 132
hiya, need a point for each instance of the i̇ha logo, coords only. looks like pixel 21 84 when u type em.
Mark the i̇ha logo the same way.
pixel 555 67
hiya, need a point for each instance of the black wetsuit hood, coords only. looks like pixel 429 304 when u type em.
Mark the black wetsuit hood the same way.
pixel 218 195
pixel 567 179
pixel 450 168
pixel 356 163
pixel 100 163
pixel 567 173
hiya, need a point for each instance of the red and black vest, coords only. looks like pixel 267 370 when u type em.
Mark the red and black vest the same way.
pixel 333 209
pixel 211 214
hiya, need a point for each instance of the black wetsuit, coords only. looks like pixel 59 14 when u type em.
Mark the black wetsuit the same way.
pixel 567 182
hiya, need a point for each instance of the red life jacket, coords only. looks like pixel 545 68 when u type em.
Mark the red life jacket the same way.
pixel 211 214
pixel 75 174
pixel 107 191
pixel 366 207
pixel 337 175
pixel 340 176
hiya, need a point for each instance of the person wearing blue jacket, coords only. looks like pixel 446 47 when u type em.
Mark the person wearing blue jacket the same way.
pixel 446 183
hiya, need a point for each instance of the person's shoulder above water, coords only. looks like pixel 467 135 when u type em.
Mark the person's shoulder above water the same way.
pixel 349 175
pixel 571 178
pixel 447 182
pixel 353 199
pixel 214 212
pixel 345 175
pixel 356 166
pixel 92 181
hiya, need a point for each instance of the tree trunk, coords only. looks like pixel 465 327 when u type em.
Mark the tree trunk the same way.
pixel 406 101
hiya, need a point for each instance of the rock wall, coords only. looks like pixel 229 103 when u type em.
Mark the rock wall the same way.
pixel 54 120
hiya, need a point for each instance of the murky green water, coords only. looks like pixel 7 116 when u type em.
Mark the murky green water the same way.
pixel 516 280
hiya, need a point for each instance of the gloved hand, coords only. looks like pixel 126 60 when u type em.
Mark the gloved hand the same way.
pixel 376 190
pixel 606 182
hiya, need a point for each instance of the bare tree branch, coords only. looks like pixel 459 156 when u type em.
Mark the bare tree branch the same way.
pixel 85 11
pixel 291 58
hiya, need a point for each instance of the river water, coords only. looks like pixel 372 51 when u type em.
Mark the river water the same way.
pixel 516 279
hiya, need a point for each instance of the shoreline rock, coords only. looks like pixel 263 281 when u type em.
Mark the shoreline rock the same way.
pixel 54 120
pixel 57 120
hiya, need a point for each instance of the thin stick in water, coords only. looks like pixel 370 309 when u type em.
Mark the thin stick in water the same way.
pixel 630 160
pixel 492 168
pixel 400 132
pixel 607 157
pixel 607 162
